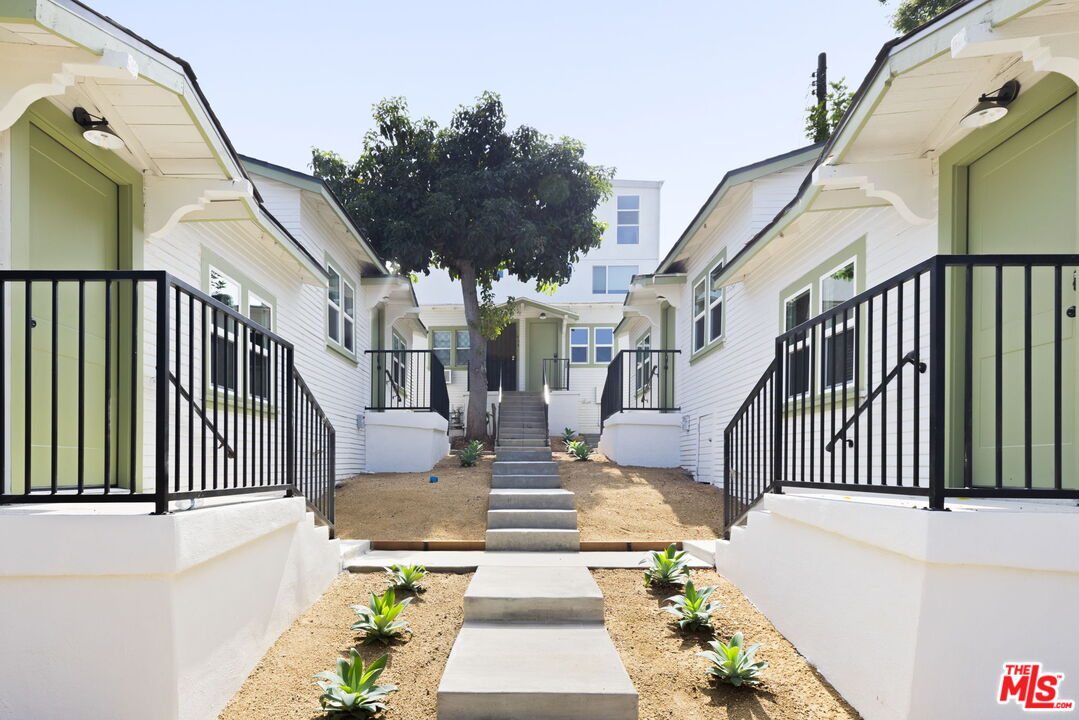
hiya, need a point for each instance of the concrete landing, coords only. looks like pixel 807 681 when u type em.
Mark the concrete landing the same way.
pixel 535 594
pixel 531 498
pixel 468 560
pixel 535 672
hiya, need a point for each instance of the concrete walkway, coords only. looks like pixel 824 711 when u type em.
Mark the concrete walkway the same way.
pixel 533 645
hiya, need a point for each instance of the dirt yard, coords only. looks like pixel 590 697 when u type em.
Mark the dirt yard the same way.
pixel 406 506
pixel 636 503
pixel 671 680
pixel 281 686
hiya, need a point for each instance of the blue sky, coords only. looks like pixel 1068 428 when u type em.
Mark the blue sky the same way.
pixel 676 91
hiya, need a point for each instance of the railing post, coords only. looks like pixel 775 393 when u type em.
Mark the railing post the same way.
pixel 290 421
pixel 777 422
pixel 937 311
pixel 161 400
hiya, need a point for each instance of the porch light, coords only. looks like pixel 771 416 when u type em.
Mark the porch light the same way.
pixel 991 106
pixel 96 130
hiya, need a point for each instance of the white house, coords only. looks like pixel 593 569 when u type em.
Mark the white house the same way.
pixel 881 373
pixel 569 332
pixel 180 328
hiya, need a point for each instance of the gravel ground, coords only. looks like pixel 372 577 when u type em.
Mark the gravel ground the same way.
pixel 671 680
pixel 281 686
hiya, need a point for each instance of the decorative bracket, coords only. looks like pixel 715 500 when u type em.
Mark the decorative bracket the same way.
pixel 904 184
pixel 169 199
pixel 1049 52
pixel 32 81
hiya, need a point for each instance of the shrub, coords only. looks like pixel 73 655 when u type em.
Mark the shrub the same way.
pixel 579 449
pixel 692 608
pixel 732 663
pixel 407 577
pixel 352 690
pixel 667 567
pixel 379 619
pixel 568 436
pixel 469 455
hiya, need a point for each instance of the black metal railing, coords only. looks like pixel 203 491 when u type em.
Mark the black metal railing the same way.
pixel 134 386
pixel 556 373
pixel 922 385
pixel 408 380
pixel 639 380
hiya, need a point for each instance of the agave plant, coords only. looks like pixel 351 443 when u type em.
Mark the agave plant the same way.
pixel 666 567
pixel 352 691
pixel 469 455
pixel 568 436
pixel 379 619
pixel 579 449
pixel 407 577
pixel 692 608
pixel 732 663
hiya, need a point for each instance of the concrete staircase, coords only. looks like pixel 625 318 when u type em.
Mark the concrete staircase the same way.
pixel 529 511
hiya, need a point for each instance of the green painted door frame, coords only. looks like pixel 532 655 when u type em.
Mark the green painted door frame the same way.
pixel 542 342
pixel 51 163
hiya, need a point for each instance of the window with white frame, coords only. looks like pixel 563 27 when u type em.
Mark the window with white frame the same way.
pixel 628 230
pixel 341 310
pixel 642 365
pixel 261 312
pixel 398 362
pixel 715 303
pixel 612 279
pixel 578 345
pixel 837 350
pixel 603 342
pixel 700 311
pixel 226 371
pixel 796 310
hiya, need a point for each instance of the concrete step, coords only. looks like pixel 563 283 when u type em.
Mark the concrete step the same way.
pixel 531 499
pixel 521 443
pixel 524 467
pixel 532 518
pixel 526 434
pixel 533 594
pixel 526 481
pixel 533 540
pixel 523 425
pixel 540 454
pixel 535 672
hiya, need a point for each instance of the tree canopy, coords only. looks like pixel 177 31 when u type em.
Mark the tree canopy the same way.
pixel 913 13
pixel 473 198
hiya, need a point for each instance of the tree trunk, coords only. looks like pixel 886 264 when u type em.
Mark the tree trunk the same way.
pixel 476 415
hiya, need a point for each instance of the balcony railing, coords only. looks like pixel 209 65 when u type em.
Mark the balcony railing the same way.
pixel 951 379
pixel 137 387
pixel 639 380
pixel 556 373
pixel 408 380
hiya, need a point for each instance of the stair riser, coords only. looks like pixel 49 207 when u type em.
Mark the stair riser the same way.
pixel 529 706
pixel 533 541
pixel 520 443
pixel 533 502
pixel 548 467
pixel 521 435
pixel 523 455
pixel 539 610
pixel 545 519
pixel 526 481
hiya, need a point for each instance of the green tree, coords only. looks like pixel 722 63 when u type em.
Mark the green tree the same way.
pixel 475 199
pixel 913 13
pixel 823 118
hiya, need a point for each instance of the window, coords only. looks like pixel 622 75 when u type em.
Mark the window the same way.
pixel 451 347
pixel 223 351
pixel 629 220
pixel 261 312
pixel 642 367
pixel 796 310
pixel 226 365
pixel 612 279
pixel 578 345
pixel 398 363
pixel 341 310
pixel 837 353
pixel 715 303
pixel 604 344
pixel 699 308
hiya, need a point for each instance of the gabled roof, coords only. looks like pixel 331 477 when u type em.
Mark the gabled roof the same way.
pixel 316 185
pixel 737 176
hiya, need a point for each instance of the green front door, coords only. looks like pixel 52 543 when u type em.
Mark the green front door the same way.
pixel 1022 199
pixel 73 225
pixel 542 343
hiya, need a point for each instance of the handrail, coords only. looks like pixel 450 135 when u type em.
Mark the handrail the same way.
pixel 911 359
pixel 754 478
pixel 222 441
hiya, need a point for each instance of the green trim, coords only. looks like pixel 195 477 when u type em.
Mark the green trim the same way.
pixel 331 344
pixel 454 365
pixel 591 344
pixel 247 285
pixel 812 279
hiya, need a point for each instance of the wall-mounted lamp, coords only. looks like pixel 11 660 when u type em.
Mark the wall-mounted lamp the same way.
pixel 991 106
pixel 96 130
pixel 543 316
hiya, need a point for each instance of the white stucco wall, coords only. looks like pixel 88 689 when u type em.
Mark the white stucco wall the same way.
pixel 911 613
pixel 154 617
pixel 643 438
pixel 405 441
